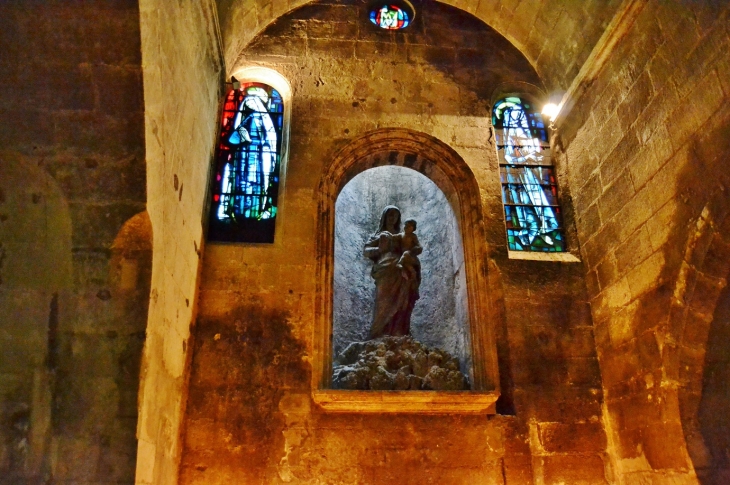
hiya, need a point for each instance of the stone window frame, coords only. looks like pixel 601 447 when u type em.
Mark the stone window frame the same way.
pixel 533 94
pixel 270 77
pixel 447 170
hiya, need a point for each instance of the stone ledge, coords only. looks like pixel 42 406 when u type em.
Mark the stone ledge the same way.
pixel 422 402
pixel 535 256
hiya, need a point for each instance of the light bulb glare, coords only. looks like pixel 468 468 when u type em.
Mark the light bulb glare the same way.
pixel 551 110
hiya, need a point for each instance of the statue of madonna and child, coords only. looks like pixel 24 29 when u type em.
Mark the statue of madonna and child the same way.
pixel 392 359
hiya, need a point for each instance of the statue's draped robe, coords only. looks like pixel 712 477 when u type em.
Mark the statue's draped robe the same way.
pixel 395 296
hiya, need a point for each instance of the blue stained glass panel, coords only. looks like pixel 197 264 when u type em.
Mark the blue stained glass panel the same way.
pixel 529 188
pixel 390 17
pixel 249 156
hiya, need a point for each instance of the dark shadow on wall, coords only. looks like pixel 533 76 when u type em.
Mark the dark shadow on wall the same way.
pixel 242 366
pixel 35 281
pixel 714 412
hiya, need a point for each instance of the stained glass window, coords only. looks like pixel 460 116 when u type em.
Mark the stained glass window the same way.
pixel 389 16
pixel 246 185
pixel 529 189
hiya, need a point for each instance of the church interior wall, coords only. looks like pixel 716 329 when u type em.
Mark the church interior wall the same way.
pixel 554 37
pixel 257 302
pixel 73 172
pixel 108 118
pixel 645 150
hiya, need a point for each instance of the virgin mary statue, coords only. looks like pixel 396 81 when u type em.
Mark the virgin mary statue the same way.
pixel 395 294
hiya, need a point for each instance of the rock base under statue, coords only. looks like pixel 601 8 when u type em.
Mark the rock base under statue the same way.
pixel 396 363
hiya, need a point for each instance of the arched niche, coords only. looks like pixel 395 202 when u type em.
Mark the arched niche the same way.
pixel 448 171
pixel 441 316
pixel 36 303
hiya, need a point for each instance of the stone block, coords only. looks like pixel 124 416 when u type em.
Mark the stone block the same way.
pixel 431 55
pixel 125 83
pixel 580 469
pixel 595 248
pixel 622 325
pixel 646 275
pixel 558 403
pixel 716 262
pixel 588 193
pixel 696 331
pixel 636 100
pixel 342 49
pixel 80 130
pixel 96 225
pixel 622 156
pixel 26 129
pixel 607 271
pixel 589 222
pixel 633 251
pixel 707 95
pixel 584 437
pixel 705 295
pixel 592 283
pixel 584 372
pixel 615 195
pixel 652 155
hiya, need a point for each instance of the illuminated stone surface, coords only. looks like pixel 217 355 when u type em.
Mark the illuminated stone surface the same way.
pixel 613 368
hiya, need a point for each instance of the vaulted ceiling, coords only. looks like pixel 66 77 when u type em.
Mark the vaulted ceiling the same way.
pixel 556 36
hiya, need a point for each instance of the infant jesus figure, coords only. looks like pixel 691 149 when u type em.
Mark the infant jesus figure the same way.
pixel 408 262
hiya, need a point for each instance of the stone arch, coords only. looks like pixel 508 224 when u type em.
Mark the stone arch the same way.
pixel 131 259
pixel 441 164
pixel 130 277
pixel 703 274
pixel 36 281
pixel 529 27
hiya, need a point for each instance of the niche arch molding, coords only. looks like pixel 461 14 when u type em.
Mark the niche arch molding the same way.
pixel 441 164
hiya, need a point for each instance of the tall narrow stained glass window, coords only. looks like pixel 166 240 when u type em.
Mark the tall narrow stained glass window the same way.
pixel 246 185
pixel 529 189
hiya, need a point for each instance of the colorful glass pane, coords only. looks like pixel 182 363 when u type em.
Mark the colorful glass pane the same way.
pixel 391 17
pixel 529 188
pixel 247 174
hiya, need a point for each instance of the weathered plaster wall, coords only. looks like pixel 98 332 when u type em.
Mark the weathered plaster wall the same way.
pixel 71 173
pixel 555 36
pixel 182 79
pixel 646 150
pixel 250 417
pixel 436 321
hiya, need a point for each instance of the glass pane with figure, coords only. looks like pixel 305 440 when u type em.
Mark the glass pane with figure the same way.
pixel 245 191
pixel 529 189
pixel 390 17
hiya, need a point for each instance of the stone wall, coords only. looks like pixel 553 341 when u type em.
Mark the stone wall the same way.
pixel 645 150
pixel 74 277
pixel 182 79
pixel 250 416
pixel 555 36
pixel 713 465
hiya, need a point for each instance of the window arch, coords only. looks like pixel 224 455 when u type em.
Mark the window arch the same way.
pixel 249 163
pixel 529 190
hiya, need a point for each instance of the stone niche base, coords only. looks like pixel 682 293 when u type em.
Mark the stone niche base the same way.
pixel 422 402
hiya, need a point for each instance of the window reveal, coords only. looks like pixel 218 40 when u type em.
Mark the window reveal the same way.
pixel 529 189
pixel 245 192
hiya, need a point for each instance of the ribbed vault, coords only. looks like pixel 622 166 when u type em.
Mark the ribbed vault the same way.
pixel 555 36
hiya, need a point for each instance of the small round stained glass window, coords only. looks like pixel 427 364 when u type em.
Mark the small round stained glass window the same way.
pixel 390 17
